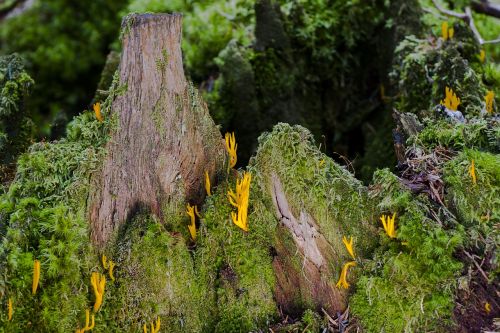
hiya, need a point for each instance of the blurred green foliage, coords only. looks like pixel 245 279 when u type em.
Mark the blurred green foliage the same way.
pixel 65 44
pixel 16 128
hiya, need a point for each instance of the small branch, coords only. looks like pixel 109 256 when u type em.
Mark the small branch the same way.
pixel 449 12
pixel 473 26
pixel 467 18
pixel 487 8
pixel 477 265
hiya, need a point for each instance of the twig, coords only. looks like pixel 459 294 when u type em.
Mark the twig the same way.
pixel 477 265
pixel 467 17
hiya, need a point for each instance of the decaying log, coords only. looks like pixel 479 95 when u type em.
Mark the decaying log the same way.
pixel 165 138
pixel 314 281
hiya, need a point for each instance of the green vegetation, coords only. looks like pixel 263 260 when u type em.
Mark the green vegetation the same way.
pixel 409 284
pixel 335 67
pixel 65 44
pixel 16 128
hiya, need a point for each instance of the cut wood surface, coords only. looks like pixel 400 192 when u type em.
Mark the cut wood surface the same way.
pixel 314 281
pixel 165 138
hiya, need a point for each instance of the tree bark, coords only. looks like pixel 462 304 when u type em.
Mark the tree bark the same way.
pixel 165 138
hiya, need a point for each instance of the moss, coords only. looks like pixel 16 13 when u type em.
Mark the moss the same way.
pixel 423 68
pixel 155 277
pixel 237 264
pixel 58 239
pixel 42 216
pixel 474 201
pixel 476 206
pixel 16 127
pixel 335 199
pixel 409 283
pixel 477 133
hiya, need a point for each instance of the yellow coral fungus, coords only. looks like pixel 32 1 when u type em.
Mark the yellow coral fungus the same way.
pixel 10 309
pixel 451 32
pixel 97 111
pixel 87 327
pixel 482 56
pixel 444 30
pixel 343 275
pixel 207 184
pixel 154 328
pixel 231 147
pixel 388 223
pixel 446 33
pixel 349 246
pixel 191 211
pixel 98 282
pixel 36 276
pixel 240 200
pixel 451 102
pixel 104 261
pixel 472 172
pixel 110 270
pixel 490 95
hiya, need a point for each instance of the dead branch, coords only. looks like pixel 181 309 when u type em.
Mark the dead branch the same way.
pixel 467 18
pixel 486 7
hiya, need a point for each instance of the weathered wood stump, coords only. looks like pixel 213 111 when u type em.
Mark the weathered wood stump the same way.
pixel 165 138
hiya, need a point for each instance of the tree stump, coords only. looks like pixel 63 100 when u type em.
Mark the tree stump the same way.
pixel 165 139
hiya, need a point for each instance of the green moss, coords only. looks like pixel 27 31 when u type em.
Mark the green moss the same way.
pixel 237 264
pixel 337 201
pixel 58 239
pixel 16 127
pixel 42 216
pixel 476 206
pixel 477 133
pixel 155 277
pixel 423 69
pixel 474 201
pixel 409 283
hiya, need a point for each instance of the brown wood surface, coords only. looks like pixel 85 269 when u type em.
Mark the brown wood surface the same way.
pixel 165 138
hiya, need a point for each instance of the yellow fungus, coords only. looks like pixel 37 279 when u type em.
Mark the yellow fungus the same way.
pixel 388 223
pixel 97 111
pixel 348 246
pixel 490 95
pixel 110 270
pixel 98 282
pixel 472 172
pixel 240 201
pixel 487 307
pixel 207 184
pixel 36 276
pixel 104 261
pixel 451 102
pixel 231 147
pixel 191 211
pixel 444 30
pixel 156 329
pixel 87 327
pixel 343 275
pixel 482 56
pixel 10 309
